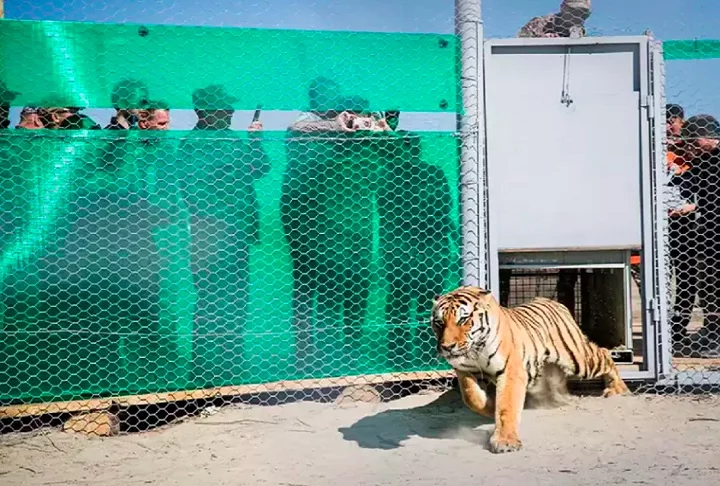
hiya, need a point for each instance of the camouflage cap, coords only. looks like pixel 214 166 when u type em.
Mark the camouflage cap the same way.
pixel 701 126
pixel 128 94
pixel 575 11
pixel 29 110
pixel 575 5
pixel 213 97
pixel 32 110
pixel 6 94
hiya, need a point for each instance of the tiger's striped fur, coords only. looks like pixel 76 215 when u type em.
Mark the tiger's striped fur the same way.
pixel 520 350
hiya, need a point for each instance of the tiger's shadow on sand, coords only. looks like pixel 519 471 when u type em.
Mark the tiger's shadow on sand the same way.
pixel 444 418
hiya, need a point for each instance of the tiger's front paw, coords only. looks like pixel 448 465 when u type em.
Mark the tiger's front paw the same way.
pixel 504 443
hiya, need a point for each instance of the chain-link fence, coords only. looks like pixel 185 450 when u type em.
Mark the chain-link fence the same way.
pixel 693 158
pixel 202 208
pixel 198 215
pixel 684 337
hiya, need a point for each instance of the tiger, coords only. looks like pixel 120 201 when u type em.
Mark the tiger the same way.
pixel 519 351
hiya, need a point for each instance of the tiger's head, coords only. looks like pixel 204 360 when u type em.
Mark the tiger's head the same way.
pixel 462 320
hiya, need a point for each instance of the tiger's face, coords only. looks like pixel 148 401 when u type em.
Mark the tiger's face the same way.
pixel 460 320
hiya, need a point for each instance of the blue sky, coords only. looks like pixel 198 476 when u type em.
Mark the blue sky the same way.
pixel 691 83
pixel 668 19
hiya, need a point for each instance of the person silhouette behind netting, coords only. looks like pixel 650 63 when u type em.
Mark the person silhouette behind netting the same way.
pixel 127 97
pixel 415 208
pixel 96 271
pixel 326 212
pixel 217 170
pixel 155 153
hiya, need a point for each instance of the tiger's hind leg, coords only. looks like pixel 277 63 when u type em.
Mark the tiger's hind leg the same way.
pixel 614 384
pixel 601 365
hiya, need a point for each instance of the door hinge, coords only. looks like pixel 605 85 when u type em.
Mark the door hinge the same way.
pixel 649 103
pixel 654 308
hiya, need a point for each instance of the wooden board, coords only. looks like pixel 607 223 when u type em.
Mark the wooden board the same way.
pixel 685 364
pixel 97 404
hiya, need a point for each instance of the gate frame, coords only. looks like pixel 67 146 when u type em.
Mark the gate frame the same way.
pixel 654 286
pixel 667 374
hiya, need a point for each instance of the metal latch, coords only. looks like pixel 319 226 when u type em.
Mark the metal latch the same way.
pixel 654 310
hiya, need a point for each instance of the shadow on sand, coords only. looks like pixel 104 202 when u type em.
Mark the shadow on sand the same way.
pixel 444 418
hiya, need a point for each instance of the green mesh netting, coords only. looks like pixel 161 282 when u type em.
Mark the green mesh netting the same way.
pixel 691 49
pixel 80 63
pixel 172 260
pixel 141 260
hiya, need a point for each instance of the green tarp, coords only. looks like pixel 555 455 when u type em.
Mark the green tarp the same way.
pixel 81 62
pixel 691 49
pixel 136 263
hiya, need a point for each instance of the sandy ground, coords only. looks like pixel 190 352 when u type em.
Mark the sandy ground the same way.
pixel 425 439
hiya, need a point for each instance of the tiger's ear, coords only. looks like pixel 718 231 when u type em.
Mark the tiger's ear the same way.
pixel 436 297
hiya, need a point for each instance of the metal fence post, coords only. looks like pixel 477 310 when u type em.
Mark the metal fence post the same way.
pixel 471 128
pixel 661 241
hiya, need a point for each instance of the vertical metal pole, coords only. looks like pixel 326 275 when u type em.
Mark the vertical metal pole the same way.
pixel 2 9
pixel 627 297
pixel 660 243
pixel 647 180
pixel 471 129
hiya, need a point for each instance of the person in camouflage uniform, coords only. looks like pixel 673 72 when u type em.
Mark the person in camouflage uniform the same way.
pixel 216 173
pixel 569 22
pixel 327 212
pixel 414 206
